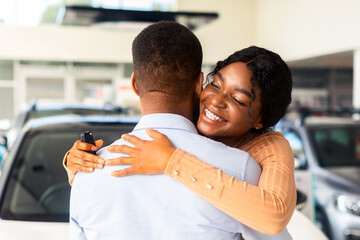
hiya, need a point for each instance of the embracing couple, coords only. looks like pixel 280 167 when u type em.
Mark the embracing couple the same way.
pixel 228 177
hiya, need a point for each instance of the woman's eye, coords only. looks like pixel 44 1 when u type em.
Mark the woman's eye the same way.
pixel 213 84
pixel 239 102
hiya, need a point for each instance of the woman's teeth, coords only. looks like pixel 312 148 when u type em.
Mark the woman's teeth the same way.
pixel 212 116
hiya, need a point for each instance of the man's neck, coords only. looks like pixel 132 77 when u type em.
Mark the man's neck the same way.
pixel 158 104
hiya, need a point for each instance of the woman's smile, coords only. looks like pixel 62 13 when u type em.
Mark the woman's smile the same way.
pixel 212 116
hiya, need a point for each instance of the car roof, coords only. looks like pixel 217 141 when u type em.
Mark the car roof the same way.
pixel 318 120
pixel 35 106
pixel 78 109
pixel 315 117
pixel 49 122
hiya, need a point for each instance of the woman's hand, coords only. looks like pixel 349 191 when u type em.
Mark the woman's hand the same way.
pixel 80 160
pixel 147 157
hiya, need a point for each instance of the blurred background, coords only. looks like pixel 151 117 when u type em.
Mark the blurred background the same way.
pixel 78 52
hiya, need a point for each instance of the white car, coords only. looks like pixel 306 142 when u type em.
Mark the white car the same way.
pixel 300 228
pixel 34 192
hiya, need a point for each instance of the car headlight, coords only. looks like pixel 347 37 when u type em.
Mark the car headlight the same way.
pixel 348 204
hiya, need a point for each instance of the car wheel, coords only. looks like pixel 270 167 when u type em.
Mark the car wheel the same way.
pixel 322 223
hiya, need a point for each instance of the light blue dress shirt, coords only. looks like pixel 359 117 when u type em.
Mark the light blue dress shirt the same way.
pixel 156 206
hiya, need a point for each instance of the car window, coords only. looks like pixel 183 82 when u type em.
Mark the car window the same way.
pixel 38 189
pixel 337 146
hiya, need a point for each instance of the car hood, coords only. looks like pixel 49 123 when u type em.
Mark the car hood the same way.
pixel 300 227
pixel 350 173
pixel 19 230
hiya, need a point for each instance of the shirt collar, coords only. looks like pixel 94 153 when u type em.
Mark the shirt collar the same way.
pixel 165 120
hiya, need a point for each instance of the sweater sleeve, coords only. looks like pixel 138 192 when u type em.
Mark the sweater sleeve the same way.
pixel 267 207
pixel 71 175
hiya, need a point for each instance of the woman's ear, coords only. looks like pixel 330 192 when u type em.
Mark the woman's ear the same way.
pixel 258 125
pixel 133 84
pixel 199 84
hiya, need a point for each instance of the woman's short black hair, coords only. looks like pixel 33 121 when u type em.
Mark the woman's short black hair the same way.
pixel 170 53
pixel 273 77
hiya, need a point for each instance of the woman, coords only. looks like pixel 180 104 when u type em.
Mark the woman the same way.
pixel 250 92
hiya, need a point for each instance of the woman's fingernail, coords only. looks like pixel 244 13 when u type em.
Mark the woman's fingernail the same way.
pixel 100 160
pixel 93 148
pixel 90 169
pixel 100 165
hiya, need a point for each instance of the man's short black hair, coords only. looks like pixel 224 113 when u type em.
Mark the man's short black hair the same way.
pixel 167 58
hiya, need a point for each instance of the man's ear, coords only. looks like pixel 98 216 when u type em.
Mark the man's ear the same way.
pixel 133 84
pixel 199 84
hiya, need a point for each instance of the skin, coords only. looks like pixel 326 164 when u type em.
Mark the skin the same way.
pixel 78 159
pixel 228 97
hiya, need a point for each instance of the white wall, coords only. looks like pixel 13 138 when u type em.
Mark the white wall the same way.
pixel 233 30
pixel 296 29
pixel 300 29
pixel 65 44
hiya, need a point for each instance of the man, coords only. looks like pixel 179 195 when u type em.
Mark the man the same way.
pixel 167 76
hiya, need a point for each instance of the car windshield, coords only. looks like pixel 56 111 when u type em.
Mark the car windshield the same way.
pixel 37 188
pixel 337 146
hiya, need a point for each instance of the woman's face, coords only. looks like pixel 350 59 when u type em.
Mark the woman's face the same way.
pixel 224 105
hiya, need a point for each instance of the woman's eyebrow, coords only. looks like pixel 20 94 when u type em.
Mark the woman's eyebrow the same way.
pixel 220 76
pixel 247 93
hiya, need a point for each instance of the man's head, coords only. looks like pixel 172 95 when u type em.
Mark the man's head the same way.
pixel 167 59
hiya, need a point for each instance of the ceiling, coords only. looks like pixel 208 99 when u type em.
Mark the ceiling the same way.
pixel 118 18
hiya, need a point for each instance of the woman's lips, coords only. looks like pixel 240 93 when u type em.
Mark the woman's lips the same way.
pixel 213 116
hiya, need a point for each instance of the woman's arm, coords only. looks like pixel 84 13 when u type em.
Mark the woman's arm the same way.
pixel 78 159
pixel 266 208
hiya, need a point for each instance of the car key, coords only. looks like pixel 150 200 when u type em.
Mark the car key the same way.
pixel 87 137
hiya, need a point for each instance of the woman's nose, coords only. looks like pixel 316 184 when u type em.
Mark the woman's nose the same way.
pixel 218 100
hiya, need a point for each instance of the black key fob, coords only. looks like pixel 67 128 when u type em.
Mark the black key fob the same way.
pixel 87 137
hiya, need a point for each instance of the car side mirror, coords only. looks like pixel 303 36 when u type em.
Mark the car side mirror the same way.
pixel 3 141
pixel 300 164
pixel 3 148
pixel 301 199
pixel 297 163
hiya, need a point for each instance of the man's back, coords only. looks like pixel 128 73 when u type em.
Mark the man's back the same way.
pixel 156 206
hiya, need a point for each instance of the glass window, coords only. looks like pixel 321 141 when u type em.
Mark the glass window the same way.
pixel 337 146
pixel 42 63
pixel 96 92
pixel 7 95
pixel 6 70
pixel 128 70
pixel 45 89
